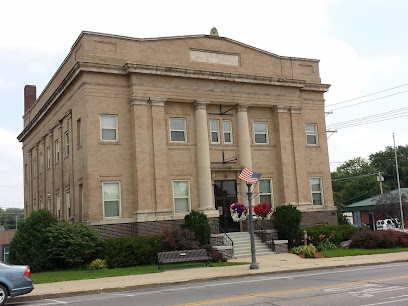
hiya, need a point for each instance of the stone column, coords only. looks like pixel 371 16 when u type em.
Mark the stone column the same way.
pixel 299 135
pixel 163 203
pixel 244 144
pixel 285 147
pixel 205 190
pixel 142 165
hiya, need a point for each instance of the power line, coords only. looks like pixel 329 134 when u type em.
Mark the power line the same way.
pixel 367 95
pixel 352 177
pixel 370 119
pixel 398 93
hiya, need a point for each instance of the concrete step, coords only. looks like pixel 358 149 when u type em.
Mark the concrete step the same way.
pixel 242 245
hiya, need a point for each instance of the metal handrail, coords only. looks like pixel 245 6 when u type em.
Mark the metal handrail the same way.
pixel 264 235
pixel 226 239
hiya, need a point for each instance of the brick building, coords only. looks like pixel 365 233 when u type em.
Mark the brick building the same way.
pixel 131 134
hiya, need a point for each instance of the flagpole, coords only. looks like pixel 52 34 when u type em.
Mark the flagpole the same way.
pixel 254 264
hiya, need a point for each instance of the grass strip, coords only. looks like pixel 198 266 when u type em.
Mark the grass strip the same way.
pixel 68 275
pixel 339 252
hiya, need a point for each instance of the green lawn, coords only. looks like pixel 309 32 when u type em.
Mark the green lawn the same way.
pixel 339 252
pixel 59 276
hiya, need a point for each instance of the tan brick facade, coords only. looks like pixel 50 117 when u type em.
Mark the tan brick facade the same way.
pixel 132 91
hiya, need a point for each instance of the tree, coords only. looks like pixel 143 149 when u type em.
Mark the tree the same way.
pixel 28 246
pixel 286 221
pixel 384 161
pixel 70 245
pixel 197 222
pixel 9 216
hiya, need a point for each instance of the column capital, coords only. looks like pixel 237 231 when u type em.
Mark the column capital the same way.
pixel 155 101
pixel 68 114
pixel 49 133
pixel 295 110
pixel 201 104
pixel 58 124
pixel 242 107
pixel 135 100
pixel 282 109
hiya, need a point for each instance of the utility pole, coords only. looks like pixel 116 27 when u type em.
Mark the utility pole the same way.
pixel 399 187
pixel 380 178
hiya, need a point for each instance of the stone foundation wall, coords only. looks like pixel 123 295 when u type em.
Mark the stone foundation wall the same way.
pixel 281 248
pixel 313 218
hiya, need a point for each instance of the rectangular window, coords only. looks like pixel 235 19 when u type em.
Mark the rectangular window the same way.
pixel 177 130
pixel 34 167
pixel 48 157
pixel 227 128
pixel 181 196
pixel 66 144
pixel 79 132
pixel 109 127
pixel 57 151
pixel 260 132
pixel 111 199
pixel 41 163
pixel 68 203
pixel 316 186
pixel 311 134
pixel 58 206
pixel 214 128
pixel 49 202
pixel 265 191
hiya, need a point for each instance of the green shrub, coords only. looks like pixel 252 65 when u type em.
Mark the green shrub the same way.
pixel 197 222
pixel 98 264
pixel 321 233
pixel 367 239
pixel 325 245
pixel 28 246
pixel 286 221
pixel 131 251
pixel 309 251
pixel 177 239
pixel 217 256
pixel 71 245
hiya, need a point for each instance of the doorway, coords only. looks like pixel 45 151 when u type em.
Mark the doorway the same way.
pixel 225 194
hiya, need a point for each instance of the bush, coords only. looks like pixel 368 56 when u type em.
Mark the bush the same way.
pixel 98 264
pixel 325 245
pixel 131 251
pixel 71 245
pixel 197 222
pixel 321 233
pixel 29 245
pixel 217 256
pixel 309 251
pixel 178 239
pixel 367 239
pixel 286 221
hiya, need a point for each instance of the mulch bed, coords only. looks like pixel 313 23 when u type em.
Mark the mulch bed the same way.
pixel 318 255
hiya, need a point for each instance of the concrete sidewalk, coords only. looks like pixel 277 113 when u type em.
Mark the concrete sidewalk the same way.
pixel 274 263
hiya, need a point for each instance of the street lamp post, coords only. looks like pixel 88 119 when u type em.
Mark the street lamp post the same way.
pixel 399 187
pixel 254 264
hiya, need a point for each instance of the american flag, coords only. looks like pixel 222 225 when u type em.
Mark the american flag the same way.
pixel 249 176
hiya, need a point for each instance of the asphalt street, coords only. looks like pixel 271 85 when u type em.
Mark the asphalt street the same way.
pixel 385 284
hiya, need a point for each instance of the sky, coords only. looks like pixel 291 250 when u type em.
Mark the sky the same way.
pixel 362 47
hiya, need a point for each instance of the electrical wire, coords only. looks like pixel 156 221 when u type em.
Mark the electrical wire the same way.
pixel 367 95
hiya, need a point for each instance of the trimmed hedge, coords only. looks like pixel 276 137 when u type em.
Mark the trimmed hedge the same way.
pixel 332 233
pixel 131 251
pixel 367 239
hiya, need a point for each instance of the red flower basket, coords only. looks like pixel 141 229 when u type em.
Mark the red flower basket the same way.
pixel 263 211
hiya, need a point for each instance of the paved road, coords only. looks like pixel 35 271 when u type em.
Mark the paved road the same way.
pixel 364 285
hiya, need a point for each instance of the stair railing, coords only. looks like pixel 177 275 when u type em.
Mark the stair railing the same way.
pixel 264 235
pixel 215 228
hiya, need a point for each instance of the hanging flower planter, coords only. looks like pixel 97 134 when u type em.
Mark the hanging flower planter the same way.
pixel 238 211
pixel 263 211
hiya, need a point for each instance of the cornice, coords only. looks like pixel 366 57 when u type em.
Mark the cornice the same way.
pixel 167 71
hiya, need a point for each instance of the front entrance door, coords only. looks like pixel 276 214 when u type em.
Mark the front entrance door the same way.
pixel 225 193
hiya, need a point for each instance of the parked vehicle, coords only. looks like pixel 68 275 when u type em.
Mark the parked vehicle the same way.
pixel 14 281
pixel 385 224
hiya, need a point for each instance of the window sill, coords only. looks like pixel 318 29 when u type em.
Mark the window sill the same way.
pixel 313 145
pixel 78 147
pixel 109 142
